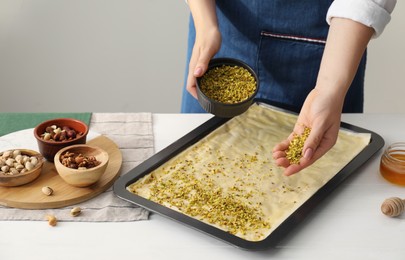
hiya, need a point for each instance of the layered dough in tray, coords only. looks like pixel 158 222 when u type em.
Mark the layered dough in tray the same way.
pixel 229 179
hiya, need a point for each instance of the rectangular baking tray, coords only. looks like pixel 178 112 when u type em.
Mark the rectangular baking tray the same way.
pixel 376 143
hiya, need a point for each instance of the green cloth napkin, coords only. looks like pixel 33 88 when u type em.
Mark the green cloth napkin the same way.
pixel 11 122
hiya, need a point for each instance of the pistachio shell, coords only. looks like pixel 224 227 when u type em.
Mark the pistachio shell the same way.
pixel 14 171
pixel 19 158
pixel 75 211
pixel 34 161
pixel 47 190
pixel 25 159
pixel 19 167
pixel 7 154
pixel 16 153
pixel 10 162
pixel 29 166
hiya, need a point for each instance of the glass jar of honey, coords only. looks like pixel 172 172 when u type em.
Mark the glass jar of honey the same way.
pixel 392 165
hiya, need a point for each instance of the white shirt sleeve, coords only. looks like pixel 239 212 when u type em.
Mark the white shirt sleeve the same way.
pixel 372 13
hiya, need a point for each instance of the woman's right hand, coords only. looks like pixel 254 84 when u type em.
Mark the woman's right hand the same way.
pixel 207 40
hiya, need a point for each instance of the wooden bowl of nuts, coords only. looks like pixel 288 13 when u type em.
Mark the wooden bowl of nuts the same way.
pixel 81 165
pixel 55 134
pixel 19 167
pixel 227 88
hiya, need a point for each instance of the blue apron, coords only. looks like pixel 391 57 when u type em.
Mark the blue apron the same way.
pixel 283 41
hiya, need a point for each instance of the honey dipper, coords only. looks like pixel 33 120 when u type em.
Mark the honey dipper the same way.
pixel 393 206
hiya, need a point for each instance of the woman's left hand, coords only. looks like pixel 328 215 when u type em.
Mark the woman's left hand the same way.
pixel 321 112
pixel 322 108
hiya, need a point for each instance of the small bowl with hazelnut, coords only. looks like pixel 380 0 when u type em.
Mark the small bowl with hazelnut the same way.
pixel 55 134
pixel 19 167
pixel 81 165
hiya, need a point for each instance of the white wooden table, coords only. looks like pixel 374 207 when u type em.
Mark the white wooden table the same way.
pixel 348 224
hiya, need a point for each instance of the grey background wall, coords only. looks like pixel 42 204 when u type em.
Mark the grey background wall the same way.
pixel 129 56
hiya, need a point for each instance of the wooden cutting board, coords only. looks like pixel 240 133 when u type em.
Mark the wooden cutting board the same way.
pixel 30 196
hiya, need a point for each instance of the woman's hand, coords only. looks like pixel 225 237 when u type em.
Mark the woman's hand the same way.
pixel 207 41
pixel 321 112
pixel 322 108
pixel 207 44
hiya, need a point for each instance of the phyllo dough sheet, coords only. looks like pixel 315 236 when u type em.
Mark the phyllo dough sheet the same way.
pixel 229 179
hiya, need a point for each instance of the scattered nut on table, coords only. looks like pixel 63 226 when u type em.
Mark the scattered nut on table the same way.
pixel 52 221
pixel 48 191
pixel 76 211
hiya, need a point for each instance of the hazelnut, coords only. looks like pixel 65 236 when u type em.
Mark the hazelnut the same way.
pixel 52 221
pixel 71 134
